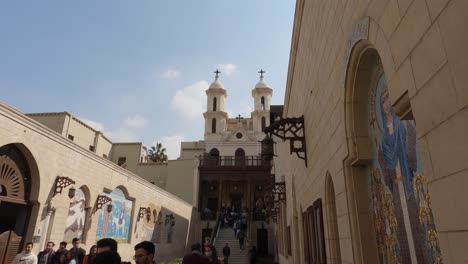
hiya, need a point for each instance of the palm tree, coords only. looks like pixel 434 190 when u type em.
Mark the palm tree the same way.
pixel 157 153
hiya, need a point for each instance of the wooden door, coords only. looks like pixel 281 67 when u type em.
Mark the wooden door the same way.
pixel 9 246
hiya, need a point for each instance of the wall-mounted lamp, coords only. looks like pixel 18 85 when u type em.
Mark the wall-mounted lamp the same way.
pixel 169 219
pixel 62 182
pixel 102 200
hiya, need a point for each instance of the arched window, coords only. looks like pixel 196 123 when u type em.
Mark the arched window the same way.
pixel 262 103
pixel 263 123
pixel 240 157
pixel 214 103
pixel 213 125
pixel 214 152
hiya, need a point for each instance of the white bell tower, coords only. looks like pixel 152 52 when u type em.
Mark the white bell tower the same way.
pixel 215 117
pixel 262 99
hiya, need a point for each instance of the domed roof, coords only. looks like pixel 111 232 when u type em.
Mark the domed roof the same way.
pixel 217 84
pixel 262 84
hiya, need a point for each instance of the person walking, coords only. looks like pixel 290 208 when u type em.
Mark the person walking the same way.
pixel 45 256
pixel 210 253
pixel 88 259
pixel 253 255
pixel 226 253
pixel 241 238
pixel 27 256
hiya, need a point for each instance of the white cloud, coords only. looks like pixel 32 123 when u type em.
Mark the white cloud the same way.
pixel 228 69
pixel 190 102
pixel 96 125
pixel 121 134
pixel 136 121
pixel 170 73
pixel 172 145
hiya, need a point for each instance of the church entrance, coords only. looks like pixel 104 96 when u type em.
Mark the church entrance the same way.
pixel 236 200
pixel 15 182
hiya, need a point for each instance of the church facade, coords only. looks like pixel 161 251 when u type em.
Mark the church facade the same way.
pixel 382 91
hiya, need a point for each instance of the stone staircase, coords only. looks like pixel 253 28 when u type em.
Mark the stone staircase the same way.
pixel 226 235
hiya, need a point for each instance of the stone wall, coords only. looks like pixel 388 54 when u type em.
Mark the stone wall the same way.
pixel 424 57
pixel 50 155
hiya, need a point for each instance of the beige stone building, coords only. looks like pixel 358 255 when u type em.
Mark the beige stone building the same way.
pixel 382 87
pixel 58 182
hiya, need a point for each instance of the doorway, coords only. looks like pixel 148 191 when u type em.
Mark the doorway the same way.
pixel 15 191
pixel 262 241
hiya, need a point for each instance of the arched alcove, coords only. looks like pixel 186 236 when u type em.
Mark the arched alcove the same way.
pixel 389 205
pixel 213 125
pixel 333 238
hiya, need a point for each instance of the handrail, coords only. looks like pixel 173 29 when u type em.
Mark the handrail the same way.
pixel 214 233
pixel 235 161
pixel 217 232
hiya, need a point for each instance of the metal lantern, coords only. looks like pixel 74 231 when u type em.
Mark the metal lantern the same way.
pixel 71 192
pixel 268 148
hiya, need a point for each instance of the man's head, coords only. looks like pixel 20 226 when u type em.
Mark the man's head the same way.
pixel 196 246
pixel 106 244
pixel 76 242
pixel 63 245
pixel 28 247
pixel 50 246
pixel 227 245
pixel 144 252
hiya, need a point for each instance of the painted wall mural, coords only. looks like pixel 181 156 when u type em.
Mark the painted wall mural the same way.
pixel 400 201
pixel 76 217
pixel 116 224
pixel 145 228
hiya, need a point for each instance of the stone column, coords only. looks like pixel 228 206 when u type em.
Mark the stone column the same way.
pixel 249 195
pixel 45 228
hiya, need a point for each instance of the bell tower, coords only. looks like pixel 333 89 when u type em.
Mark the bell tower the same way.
pixel 215 117
pixel 261 93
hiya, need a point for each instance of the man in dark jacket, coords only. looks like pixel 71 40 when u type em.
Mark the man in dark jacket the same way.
pixel 61 251
pixel 77 251
pixel 195 257
pixel 45 257
pixel 226 253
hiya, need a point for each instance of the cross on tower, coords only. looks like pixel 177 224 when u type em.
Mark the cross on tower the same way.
pixel 217 73
pixel 239 117
pixel 261 73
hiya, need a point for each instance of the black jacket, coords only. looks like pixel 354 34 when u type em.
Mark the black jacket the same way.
pixel 226 251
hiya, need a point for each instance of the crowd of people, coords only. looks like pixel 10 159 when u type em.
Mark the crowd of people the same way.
pixel 104 252
pixel 237 220
pixel 210 255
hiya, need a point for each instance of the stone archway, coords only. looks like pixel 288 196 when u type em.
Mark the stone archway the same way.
pixel 332 221
pixel 390 214
pixel 18 206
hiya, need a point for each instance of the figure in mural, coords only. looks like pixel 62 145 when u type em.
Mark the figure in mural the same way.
pixel 400 202
pixel 116 224
pixel 76 217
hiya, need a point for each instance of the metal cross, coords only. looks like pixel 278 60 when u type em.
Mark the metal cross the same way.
pixel 239 117
pixel 261 72
pixel 217 73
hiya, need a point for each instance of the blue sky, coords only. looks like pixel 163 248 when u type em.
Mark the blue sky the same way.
pixel 138 69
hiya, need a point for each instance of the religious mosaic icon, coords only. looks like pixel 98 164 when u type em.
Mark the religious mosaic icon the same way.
pixel 399 198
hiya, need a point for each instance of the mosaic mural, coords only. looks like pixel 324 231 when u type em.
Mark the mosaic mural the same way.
pixel 76 217
pixel 400 201
pixel 116 224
